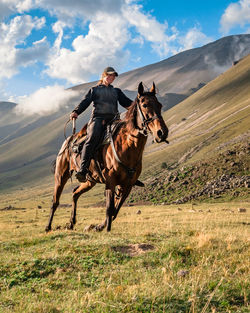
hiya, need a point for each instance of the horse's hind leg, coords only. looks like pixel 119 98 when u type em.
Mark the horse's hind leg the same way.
pixel 60 181
pixel 110 207
pixel 78 191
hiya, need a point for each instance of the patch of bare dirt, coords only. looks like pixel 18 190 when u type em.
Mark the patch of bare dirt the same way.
pixel 134 250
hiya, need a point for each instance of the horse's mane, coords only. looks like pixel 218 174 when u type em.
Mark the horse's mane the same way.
pixel 130 116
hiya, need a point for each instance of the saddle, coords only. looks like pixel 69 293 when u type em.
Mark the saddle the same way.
pixel 80 138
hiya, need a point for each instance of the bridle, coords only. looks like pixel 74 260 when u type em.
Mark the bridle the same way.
pixel 145 121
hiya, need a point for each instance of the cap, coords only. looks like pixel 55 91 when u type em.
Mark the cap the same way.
pixel 110 70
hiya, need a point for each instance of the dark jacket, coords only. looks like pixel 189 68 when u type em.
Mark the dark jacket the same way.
pixel 104 99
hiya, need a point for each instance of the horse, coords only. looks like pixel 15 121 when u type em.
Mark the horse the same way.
pixel 120 161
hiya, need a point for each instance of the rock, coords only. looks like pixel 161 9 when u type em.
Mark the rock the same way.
pixel 179 209
pixel 138 212
pixel 175 179
pixel 182 273
pixel 247 184
pixel 242 210
pixel 39 206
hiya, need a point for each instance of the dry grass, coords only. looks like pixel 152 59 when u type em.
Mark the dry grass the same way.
pixel 74 271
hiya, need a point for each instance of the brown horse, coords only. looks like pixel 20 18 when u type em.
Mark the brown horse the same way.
pixel 120 161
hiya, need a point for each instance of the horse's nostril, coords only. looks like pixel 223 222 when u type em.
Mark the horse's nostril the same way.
pixel 159 133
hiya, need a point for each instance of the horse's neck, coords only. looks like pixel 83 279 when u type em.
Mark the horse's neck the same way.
pixel 135 143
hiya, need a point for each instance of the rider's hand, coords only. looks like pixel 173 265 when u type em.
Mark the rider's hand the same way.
pixel 73 115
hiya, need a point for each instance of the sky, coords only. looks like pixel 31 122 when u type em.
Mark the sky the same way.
pixel 47 46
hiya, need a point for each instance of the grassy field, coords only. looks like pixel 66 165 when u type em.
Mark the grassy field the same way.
pixel 177 258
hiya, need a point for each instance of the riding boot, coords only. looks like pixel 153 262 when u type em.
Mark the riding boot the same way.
pixel 81 174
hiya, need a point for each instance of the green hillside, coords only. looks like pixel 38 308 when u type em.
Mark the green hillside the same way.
pixel 214 117
pixel 204 129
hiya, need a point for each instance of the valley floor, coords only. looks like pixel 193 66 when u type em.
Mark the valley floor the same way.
pixel 175 258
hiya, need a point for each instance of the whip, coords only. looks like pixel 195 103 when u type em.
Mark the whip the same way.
pixel 73 127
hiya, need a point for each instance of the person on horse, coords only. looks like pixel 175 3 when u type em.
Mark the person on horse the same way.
pixel 105 100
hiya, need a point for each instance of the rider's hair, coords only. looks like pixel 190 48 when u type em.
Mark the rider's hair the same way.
pixel 104 74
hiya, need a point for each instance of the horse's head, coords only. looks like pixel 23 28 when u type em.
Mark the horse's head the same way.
pixel 149 114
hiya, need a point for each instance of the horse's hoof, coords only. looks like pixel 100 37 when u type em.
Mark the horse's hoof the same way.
pixel 47 229
pixel 69 226
pixel 99 228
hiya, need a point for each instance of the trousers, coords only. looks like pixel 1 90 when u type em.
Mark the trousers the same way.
pixel 95 133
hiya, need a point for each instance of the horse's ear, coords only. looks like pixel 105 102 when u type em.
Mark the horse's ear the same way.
pixel 153 88
pixel 140 89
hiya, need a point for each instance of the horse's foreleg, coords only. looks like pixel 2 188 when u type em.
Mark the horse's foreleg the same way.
pixel 123 194
pixel 84 187
pixel 59 185
pixel 113 206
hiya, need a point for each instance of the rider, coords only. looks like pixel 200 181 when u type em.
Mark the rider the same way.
pixel 104 97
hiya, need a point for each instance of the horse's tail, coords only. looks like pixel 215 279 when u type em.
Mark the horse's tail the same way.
pixel 64 147
pixel 53 166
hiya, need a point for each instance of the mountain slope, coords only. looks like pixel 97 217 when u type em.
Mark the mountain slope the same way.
pixel 214 114
pixel 188 69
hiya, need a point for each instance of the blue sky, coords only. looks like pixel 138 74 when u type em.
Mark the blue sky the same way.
pixel 52 43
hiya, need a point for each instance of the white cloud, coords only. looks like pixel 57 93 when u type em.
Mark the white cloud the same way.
pixel 235 14
pixel 67 11
pixel 105 42
pixel 146 25
pixel 46 100
pixel 14 33
pixel 193 38
pixel 110 23
pixel 58 28
pixel 24 5
pixel 148 28
pixel 112 26
pixel 8 7
pixel 102 46
pixel 138 40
